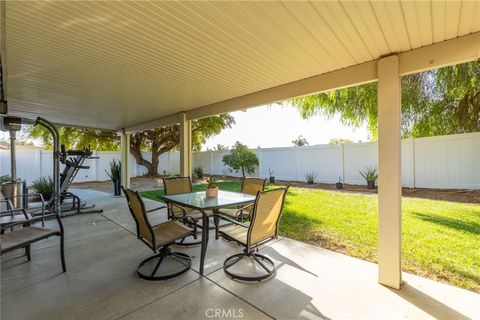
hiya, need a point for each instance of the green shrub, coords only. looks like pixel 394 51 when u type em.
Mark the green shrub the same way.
pixel 198 171
pixel 369 174
pixel 44 186
pixel 5 178
pixel 310 177
pixel 241 159
pixel 115 170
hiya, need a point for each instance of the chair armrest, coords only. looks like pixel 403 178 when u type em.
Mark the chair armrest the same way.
pixel 155 209
pixel 28 221
pixel 185 212
pixel 9 204
pixel 11 211
pixel 240 210
pixel 28 195
pixel 233 221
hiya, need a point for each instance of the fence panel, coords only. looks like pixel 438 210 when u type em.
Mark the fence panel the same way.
pixel 448 161
pixel 436 162
pixel 282 161
pixel 325 161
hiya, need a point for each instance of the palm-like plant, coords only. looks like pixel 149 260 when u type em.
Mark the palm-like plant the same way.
pixel 310 177
pixel 370 175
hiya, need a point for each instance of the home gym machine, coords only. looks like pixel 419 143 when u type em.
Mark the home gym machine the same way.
pixel 73 161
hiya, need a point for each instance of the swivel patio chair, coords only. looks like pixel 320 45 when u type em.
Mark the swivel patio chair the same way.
pixel 264 222
pixel 28 234
pixel 159 237
pixel 179 185
pixel 250 186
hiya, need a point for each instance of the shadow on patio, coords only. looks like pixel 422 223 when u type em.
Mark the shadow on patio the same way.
pixel 103 253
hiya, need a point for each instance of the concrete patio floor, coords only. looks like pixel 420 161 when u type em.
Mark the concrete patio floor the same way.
pixel 102 254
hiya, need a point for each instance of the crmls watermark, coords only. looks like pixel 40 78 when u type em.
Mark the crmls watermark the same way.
pixel 221 313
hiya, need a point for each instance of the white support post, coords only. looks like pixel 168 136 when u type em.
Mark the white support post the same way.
pixel 125 159
pixel 211 162
pixel 185 146
pixel 389 169
pixel 259 157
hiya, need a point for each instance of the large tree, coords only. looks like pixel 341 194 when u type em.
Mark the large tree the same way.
pixel 156 141
pixel 435 102
pixel 167 138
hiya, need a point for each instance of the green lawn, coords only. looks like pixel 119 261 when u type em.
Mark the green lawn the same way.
pixel 441 240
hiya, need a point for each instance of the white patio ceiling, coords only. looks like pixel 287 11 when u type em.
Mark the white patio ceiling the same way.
pixel 113 65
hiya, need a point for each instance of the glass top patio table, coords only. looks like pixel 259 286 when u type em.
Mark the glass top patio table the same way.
pixel 198 200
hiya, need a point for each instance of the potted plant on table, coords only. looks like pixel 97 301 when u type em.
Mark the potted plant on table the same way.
pixel 115 176
pixel 270 172
pixel 212 188
pixel 370 175
pixel 339 184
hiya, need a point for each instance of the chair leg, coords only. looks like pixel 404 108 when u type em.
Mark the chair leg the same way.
pixel 162 255
pixel 165 252
pixel 27 251
pixel 216 220
pixel 62 253
pixel 257 258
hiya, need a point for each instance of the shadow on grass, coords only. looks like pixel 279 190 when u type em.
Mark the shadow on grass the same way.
pixel 470 227
pixel 433 307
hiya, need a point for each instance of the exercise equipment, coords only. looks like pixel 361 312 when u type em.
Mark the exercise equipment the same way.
pixel 74 162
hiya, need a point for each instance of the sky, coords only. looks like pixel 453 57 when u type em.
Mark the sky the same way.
pixel 276 126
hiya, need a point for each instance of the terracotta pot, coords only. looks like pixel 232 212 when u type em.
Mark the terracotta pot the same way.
pixel 211 192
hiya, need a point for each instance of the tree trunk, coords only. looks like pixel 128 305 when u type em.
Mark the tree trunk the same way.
pixel 137 154
pixel 243 171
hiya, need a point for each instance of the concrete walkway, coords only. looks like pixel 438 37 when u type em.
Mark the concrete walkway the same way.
pixel 103 252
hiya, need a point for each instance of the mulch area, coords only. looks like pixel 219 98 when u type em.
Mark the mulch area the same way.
pixel 454 195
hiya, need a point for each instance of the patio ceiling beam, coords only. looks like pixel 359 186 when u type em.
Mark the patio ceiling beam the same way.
pixel 455 51
pixel 160 122
pixel 450 52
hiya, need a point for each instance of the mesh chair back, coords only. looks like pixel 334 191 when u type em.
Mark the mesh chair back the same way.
pixel 137 209
pixel 266 215
pixel 3 202
pixel 253 185
pixel 177 185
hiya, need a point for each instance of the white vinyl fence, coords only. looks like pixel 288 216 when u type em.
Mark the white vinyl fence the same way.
pixel 437 162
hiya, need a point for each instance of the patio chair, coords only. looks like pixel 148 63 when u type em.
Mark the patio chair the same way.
pixel 39 207
pixel 263 227
pixel 24 237
pixel 250 186
pixel 178 185
pixel 9 216
pixel 159 237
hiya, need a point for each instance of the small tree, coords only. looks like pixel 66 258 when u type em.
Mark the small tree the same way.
pixel 300 141
pixel 241 158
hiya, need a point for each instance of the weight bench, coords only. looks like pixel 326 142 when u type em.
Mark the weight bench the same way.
pixel 24 237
